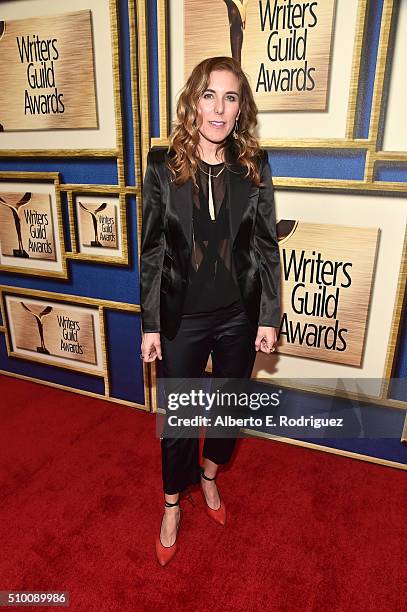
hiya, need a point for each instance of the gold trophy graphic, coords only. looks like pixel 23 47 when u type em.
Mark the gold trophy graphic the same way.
pixel 96 242
pixel 285 229
pixel 237 20
pixel 15 209
pixel 38 318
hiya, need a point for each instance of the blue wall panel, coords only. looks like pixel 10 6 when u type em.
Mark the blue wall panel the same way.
pixel 153 68
pixel 100 171
pixel 126 368
pixel 127 117
pixel 392 172
pixel 339 164
pixel 368 68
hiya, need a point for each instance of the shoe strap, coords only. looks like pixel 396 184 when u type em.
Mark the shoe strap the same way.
pixel 206 477
pixel 169 504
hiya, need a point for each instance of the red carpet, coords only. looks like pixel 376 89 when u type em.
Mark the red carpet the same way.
pixel 81 502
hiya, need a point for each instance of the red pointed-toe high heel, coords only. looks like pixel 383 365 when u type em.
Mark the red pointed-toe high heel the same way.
pixel 166 553
pixel 218 515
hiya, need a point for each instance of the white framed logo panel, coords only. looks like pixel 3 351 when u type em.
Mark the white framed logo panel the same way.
pixel 384 213
pixel 31 234
pixel 328 124
pixel 54 332
pixel 99 226
pixel 103 136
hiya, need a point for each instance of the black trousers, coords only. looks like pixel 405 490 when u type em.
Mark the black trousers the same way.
pixel 227 335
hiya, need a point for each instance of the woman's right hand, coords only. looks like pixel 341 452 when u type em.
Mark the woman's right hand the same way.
pixel 151 346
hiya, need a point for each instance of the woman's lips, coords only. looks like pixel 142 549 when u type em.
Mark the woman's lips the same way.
pixel 217 124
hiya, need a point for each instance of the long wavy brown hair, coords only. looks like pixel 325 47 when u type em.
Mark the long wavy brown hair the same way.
pixel 184 139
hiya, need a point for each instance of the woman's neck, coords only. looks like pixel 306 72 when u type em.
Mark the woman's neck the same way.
pixel 207 152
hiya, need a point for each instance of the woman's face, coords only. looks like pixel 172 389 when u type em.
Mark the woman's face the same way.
pixel 218 106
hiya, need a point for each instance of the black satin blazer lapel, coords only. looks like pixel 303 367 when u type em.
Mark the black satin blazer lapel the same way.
pixel 238 188
pixel 181 202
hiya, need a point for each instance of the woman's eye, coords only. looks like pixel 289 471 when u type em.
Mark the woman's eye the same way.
pixel 232 98
pixel 207 96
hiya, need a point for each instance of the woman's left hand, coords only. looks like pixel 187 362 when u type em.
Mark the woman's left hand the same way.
pixel 265 340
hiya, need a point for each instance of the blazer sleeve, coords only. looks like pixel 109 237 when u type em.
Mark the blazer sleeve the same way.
pixel 152 249
pixel 267 251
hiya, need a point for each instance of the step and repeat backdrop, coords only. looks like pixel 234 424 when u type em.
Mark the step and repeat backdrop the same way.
pixel 86 92
pixel 70 185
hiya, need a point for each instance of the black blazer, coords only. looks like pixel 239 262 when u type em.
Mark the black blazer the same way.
pixel 166 245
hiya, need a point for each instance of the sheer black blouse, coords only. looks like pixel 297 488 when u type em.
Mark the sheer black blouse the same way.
pixel 211 284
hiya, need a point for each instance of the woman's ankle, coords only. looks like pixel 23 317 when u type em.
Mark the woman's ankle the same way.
pixel 210 468
pixel 171 498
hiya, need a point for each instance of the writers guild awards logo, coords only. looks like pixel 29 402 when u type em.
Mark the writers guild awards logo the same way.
pixel 2 30
pixel 237 20
pixel 38 318
pixel 96 242
pixel 16 209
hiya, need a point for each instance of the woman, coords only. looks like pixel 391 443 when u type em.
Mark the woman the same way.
pixel 209 264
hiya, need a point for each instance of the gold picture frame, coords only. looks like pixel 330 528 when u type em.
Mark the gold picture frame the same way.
pixel 31 179
pixel 86 334
pixel 102 306
pixel 78 251
pixel 112 152
pixel 382 84
pixel 347 142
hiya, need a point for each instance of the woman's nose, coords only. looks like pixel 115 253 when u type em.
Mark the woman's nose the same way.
pixel 219 107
